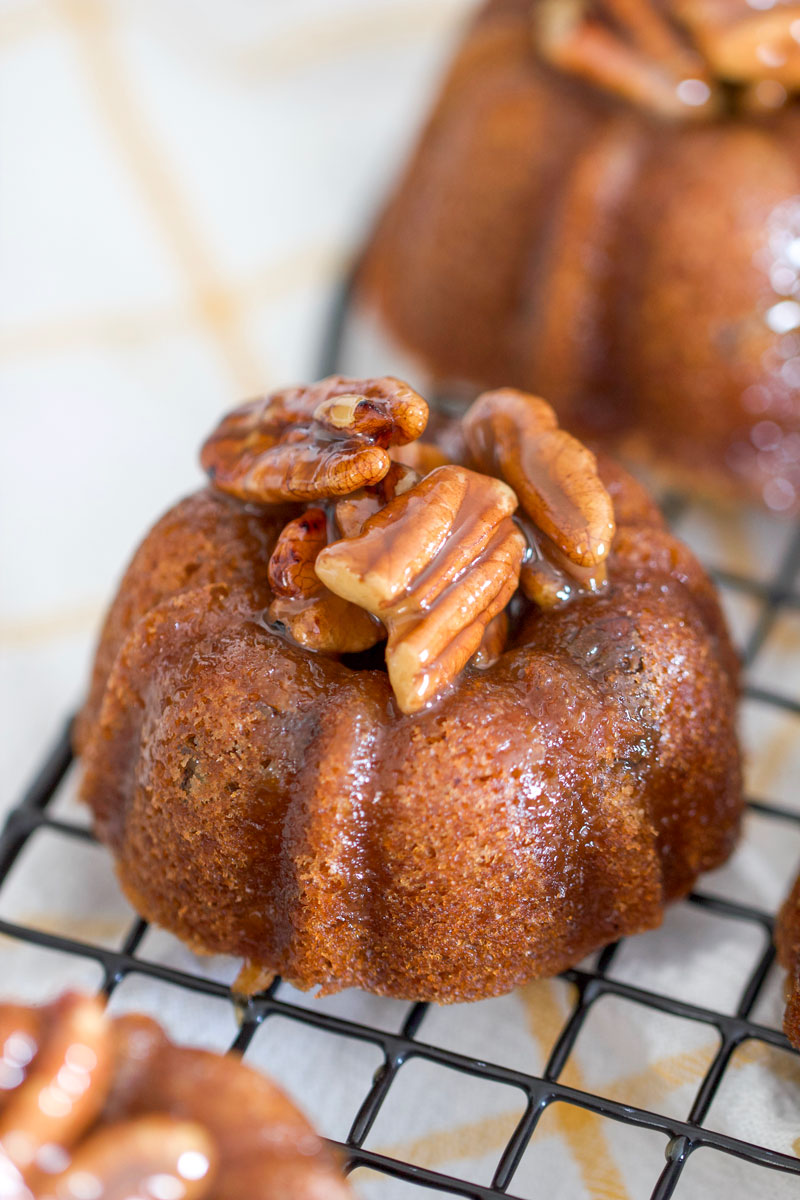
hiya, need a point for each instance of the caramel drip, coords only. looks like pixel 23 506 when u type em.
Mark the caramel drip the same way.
pixel 742 42
pixel 673 57
pixel 547 577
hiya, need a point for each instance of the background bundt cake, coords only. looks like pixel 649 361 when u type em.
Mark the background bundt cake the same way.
pixel 541 757
pixel 110 1109
pixel 604 207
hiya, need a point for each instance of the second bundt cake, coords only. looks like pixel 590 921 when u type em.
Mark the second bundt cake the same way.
pixel 539 758
pixel 603 208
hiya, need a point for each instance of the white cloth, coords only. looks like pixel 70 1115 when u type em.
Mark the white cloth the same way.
pixel 183 181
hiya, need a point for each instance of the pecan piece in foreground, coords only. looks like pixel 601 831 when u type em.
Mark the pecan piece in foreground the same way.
pixel 312 443
pixel 351 512
pixel 493 642
pixel 66 1080
pixel 313 616
pixel 122 1159
pixel 435 565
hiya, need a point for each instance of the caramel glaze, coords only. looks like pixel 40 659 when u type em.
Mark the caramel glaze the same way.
pixel 267 802
pixel 145 1101
pixel 787 941
pixel 550 236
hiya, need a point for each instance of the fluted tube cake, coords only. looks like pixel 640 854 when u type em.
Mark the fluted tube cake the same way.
pixel 424 717
pixel 100 1108
pixel 604 207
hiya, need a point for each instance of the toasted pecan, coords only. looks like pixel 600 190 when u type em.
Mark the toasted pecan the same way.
pixel 313 443
pixel 435 565
pixel 311 614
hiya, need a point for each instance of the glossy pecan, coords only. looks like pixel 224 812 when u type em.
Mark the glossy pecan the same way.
pixel 744 41
pixel 312 615
pixel 493 642
pixel 313 443
pixel 125 1158
pixel 64 1084
pixel 435 565
pixel 628 48
pixel 516 436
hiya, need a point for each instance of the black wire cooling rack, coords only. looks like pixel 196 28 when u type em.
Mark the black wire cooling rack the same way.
pixel 684 1136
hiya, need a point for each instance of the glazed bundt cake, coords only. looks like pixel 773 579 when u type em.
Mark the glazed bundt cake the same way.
pixel 95 1108
pixel 604 207
pixel 542 754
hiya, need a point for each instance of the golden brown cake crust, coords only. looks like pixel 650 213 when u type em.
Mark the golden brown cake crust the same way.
pixel 551 236
pixel 267 802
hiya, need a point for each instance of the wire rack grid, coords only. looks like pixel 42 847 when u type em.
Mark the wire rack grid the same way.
pixel 769 598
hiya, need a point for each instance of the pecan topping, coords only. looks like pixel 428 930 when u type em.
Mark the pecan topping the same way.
pixel 435 565
pixel 69 1070
pixel 291 567
pixel 428 556
pixel 352 511
pixel 55 1070
pixel 312 443
pixel 629 48
pixel 745 42
pixel 672 56
pixel 313 616
pixel 516 436
pixel 123 1158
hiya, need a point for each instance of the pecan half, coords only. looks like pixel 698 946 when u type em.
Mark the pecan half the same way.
pixel 313 616
pixel 435 565
pixel 745 41
pixel 352 511
pixel 291 567
pixel 64 1087
pixel 628 48
pixel 311 443
pixel 55 1073
pixel 516 436
pixel 493 642
pixel 124 1158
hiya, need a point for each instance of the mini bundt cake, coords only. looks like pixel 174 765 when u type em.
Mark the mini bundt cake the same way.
pixel 605 208
pixel 95 1108
pixel 542 755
